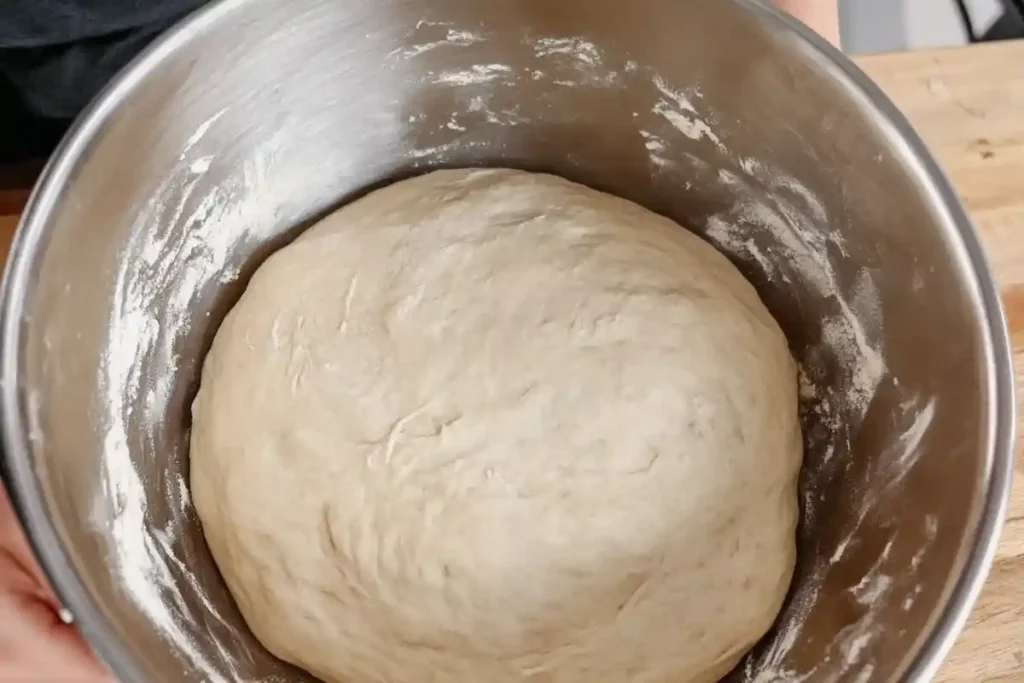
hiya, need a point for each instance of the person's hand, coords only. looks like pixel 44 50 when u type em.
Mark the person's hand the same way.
pixel 821 15
pixel 35 645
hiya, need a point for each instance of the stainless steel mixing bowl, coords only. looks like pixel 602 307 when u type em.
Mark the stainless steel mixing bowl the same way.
pixel 256 116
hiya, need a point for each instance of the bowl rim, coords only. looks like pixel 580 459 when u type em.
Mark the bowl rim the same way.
pixel 25 489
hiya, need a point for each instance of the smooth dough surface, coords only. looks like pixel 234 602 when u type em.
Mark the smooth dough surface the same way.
pixel 486 426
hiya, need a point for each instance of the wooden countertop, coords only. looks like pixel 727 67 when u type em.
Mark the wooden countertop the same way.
pixel 968 103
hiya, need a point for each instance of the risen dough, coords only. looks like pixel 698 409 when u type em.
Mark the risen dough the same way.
pixel 490 427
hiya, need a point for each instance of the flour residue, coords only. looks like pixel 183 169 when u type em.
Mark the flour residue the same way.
pixel 475 74
pixel 779 230
pixel 141 558
pixel 573 46
pixel 168 263
pixel 580 62
pixel 562 62
pixel 451 38
pixel 676 108
pixel 478 88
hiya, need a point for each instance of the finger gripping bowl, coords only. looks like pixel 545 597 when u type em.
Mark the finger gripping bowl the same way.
pixel 255 117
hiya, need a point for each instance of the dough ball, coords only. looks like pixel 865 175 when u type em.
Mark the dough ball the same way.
pixel 486 426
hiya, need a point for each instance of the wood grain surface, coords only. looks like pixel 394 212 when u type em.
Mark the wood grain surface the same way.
pixel 968 104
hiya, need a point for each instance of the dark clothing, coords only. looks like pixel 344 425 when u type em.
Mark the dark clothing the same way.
pixel 35 23
pixel 57 81
pixel 55 55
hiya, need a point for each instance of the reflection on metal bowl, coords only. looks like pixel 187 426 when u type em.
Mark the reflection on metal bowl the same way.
pixel 255 117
